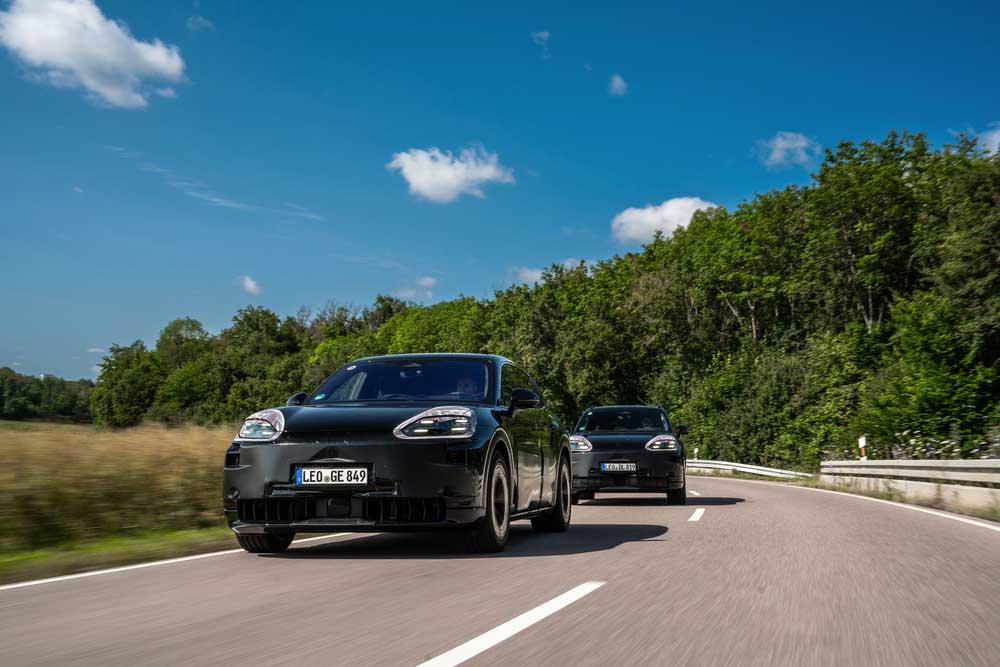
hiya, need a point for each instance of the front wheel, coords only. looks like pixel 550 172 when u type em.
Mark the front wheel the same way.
pixel 678 496
pixel 268 543
pixel 490 534
pixel 556 520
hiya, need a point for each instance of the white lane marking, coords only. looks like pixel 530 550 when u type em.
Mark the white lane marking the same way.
pixel 487 640
pixel 697 514
pixel 915 508
pixel 693 492
pixel 139 566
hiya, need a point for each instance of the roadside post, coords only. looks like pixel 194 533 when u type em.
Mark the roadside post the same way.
pixel 862 444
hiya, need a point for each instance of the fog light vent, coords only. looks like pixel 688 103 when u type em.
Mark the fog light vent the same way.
pixel 233 456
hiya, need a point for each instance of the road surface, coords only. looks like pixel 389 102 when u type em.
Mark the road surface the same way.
pixel 746 573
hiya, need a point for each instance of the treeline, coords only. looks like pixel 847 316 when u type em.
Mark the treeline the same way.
pixel 29 397
pixel 867 302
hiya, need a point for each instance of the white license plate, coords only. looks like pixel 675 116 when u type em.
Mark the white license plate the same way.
pixel 306 476
pixel 618 467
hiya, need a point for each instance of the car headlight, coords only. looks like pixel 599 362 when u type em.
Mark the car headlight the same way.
pixel 578 443
pixel 262 426
pixel 663 443
pixel 449 421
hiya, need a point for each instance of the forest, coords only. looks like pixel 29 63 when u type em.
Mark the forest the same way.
pixel 864 303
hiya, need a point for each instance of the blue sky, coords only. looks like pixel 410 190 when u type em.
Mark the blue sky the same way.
pixel 186 159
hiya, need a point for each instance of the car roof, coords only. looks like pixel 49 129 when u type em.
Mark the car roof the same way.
pixel 496 359
pixel 621 407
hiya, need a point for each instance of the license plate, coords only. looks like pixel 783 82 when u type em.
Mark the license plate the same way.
pixel 618 467
pixel 307 476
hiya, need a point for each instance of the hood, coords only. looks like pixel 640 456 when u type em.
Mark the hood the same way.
pixel 615 440
pixel 355 419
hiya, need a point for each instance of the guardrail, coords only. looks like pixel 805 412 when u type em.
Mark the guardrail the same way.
pixel 958 484
pixel 729 466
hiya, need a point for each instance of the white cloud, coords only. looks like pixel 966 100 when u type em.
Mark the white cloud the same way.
pixel 96 350
pixel 442 178
pixel 427 282
pixel 786 149
pixel 990 139
pixel 70 44
pixel 525 274
pixel 168 93
pixel 617 86
pixel 541 38
pixel 641 224
pixel 250 285
pixel 199 24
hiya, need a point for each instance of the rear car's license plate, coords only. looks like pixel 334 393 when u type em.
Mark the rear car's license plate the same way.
pixel 618 467
pixel 343 475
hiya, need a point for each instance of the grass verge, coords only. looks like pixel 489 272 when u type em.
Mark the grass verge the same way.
pixel 111 552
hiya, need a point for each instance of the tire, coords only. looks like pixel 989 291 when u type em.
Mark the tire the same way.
pixel 267 543
pixel 489 535
pixel 557 519
pixel 679 496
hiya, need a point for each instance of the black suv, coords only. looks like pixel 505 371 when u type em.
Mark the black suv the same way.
pixel 628 448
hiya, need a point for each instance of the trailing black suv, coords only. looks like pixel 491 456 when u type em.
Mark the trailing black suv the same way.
pixel 628 448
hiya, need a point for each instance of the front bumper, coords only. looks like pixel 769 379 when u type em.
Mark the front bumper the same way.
pixel 412 486
pixel 655 471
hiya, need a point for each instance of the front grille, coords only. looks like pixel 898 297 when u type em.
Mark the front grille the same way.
pixel 276 509
pixel 410 510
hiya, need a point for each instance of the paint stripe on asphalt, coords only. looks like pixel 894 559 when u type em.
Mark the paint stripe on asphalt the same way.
pixel 693 492
pixel 697 514
pixel 487 640
pixel 915 508
pixel 139 566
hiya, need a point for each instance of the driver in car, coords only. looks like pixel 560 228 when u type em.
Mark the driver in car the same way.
pixel 468 386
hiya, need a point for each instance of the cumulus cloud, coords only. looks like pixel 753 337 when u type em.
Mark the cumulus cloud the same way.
pixel 617 86
pixel 641 224
pixel 250 285
pixel 990 139
pixel 70 44
pixel 442 178
pixel 786 149
pixel 427 282
pixel 199 24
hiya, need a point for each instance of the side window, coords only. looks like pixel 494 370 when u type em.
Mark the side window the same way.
pixel 511 378
pixel 507 383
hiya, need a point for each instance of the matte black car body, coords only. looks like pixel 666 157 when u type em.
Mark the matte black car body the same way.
pixel 419 484
pixel 656 471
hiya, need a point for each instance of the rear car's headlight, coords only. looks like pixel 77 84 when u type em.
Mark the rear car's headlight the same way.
pixel 262 426
pixel 448 421
pixel 578 443
pixel 663 443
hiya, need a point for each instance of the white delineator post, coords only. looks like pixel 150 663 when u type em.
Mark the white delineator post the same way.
pixel 862 444
pixel 695 453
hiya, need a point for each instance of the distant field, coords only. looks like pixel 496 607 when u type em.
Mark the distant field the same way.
pixel 66 484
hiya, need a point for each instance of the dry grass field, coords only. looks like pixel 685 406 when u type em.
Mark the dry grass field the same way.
pixel 68 484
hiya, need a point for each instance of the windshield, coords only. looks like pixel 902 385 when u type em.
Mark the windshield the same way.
pixel 407 379
pixel 623 419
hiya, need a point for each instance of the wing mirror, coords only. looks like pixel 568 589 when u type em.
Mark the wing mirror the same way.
pixel 682 429
pixel 297 399
pixel 522 399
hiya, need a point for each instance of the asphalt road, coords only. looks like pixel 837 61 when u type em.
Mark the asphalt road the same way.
pixel 767 574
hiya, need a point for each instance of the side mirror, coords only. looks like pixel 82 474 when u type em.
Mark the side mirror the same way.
pixel 682 429
pixel 297 399
pixel 522 399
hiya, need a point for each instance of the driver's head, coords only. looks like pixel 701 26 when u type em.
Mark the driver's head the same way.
pixel 467 385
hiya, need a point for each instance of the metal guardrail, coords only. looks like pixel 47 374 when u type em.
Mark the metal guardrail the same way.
pixel 953 471
pixel 729 466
